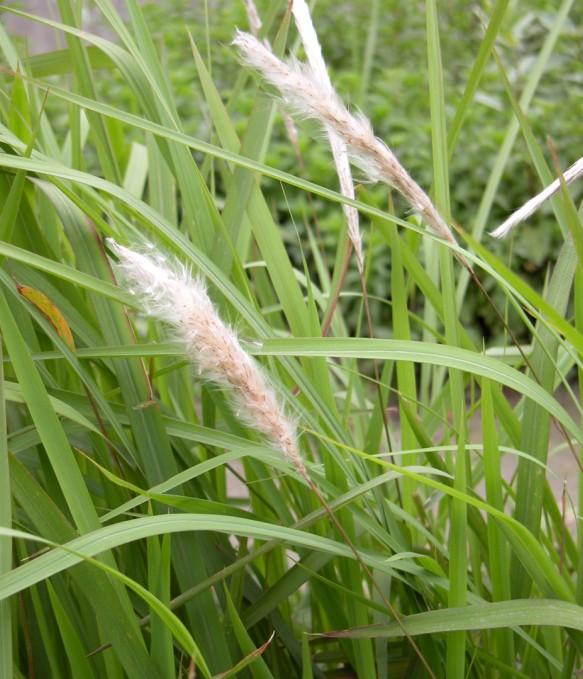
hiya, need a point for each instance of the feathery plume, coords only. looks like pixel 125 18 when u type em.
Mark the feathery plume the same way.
pixel 313 50
pixel 532 205
pixel 302 91
pixel 171 294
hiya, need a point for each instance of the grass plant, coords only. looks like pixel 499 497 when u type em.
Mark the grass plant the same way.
pixel 328 495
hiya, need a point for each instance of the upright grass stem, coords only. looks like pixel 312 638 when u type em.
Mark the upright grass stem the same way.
pixel 458 562
pixel 6 668
pixel 319 71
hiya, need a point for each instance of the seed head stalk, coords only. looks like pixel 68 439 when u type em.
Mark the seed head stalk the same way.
pixel 532 205
pixel 313 50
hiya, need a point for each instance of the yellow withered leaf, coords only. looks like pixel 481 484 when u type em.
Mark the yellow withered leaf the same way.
pixel 50 311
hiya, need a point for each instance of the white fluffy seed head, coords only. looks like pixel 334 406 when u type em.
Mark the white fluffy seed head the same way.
pixel 302 92
pixel 171 294
pixel 532 205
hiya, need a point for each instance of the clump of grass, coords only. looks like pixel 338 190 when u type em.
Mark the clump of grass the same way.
pixel 364 516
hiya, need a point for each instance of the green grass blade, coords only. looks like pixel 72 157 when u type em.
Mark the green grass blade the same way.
pixel 55 442
pixel 258 666
pixel 76 654
pixel 497 547
pixel 476 73
pixel 456 643
pixel 6 521
pixel 86 83
pixel 132 651
pixel 159 575
pixel 480 616
pixel 422 352
pixel 535 422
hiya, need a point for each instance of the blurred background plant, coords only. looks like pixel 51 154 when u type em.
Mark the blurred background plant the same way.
pixel 379 66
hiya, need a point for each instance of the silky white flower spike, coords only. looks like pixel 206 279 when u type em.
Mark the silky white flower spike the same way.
pixel 302 91
pixel 531 206
pixel 171 294
pixel 313 50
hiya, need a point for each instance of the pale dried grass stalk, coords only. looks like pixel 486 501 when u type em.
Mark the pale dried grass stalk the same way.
pixel 171 294
pixel 253 17
pixel 255 25
pixel 303 92
pixel 313 50
pixel 531 206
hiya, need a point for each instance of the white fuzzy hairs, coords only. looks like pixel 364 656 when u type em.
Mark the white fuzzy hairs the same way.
pixel 308 91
